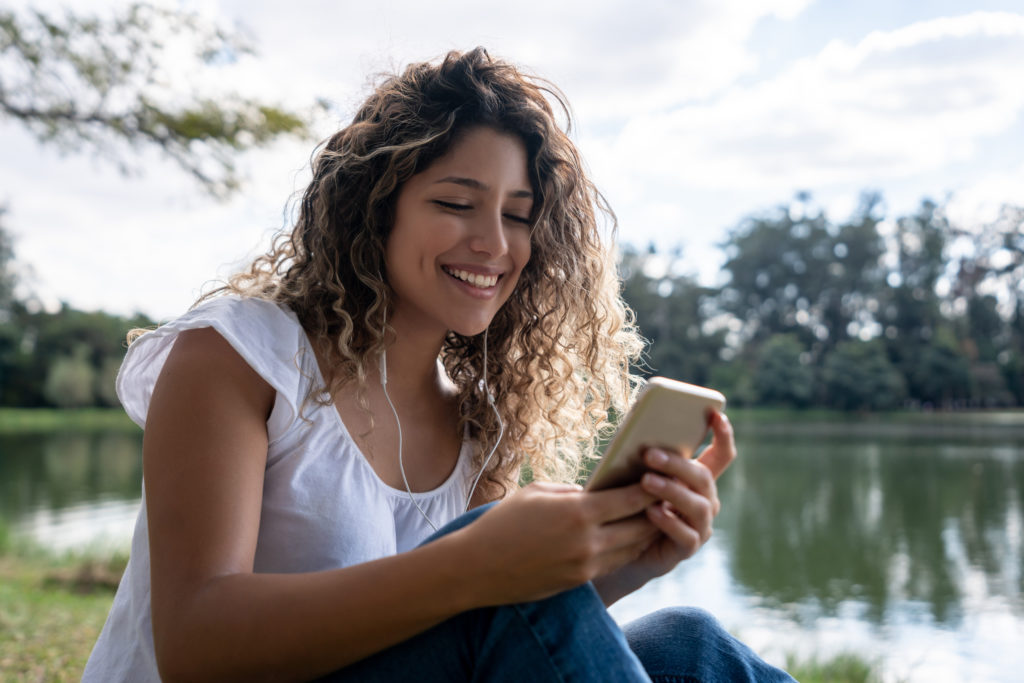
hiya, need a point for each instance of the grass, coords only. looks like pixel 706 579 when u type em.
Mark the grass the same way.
pixel 19 420
pixel 51 612
pixel 844 667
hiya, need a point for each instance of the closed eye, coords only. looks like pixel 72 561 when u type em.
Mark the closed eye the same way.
pixel 517 219
pixel 452 205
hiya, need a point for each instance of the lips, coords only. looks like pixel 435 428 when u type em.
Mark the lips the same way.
pixel 474 279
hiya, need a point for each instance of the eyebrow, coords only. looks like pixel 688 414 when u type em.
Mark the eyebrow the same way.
pixel 475 184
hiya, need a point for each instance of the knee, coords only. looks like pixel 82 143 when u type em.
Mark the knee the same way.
pixel 686 641
pixel 673 626
pixel 690 622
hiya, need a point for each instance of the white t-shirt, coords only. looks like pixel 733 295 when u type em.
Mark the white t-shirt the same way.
pixel 323 505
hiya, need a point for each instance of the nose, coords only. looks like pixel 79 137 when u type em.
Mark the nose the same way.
pixel 488 235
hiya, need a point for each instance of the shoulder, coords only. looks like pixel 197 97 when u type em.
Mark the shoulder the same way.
pixel 204 366
pixel 249 337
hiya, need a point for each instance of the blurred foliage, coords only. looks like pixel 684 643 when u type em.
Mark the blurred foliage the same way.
pixel 95 82
pixel 70 380
pixel 845 667
pixel 104 84
pixel 873 313
pixel 66 358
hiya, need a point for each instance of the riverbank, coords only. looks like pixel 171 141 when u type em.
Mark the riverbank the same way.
pixel 87 420
pixel 51 611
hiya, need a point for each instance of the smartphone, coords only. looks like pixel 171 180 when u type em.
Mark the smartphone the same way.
pixel 667 414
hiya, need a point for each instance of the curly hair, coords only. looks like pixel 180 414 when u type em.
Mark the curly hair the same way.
pixel 560 349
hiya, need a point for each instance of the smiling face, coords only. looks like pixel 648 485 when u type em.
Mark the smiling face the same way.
pixel 461 236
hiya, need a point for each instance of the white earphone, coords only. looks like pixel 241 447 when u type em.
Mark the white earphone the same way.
pixel 482 384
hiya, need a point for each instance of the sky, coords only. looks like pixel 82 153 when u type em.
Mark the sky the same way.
pixel 690 116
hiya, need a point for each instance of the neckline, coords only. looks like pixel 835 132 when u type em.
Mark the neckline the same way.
pixel 339 423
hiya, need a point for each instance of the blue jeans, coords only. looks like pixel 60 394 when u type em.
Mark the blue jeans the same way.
pixel 567 637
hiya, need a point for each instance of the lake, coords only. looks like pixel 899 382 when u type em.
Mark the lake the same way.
pixel 896 538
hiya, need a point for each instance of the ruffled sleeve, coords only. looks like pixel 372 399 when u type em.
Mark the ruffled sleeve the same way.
pixel 267 336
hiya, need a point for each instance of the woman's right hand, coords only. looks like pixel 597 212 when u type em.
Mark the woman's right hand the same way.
pixel 548 537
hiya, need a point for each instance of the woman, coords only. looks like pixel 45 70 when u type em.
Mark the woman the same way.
pixel 442 314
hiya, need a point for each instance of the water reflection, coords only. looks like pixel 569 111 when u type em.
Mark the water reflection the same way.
pixel 69 481
pixel 886 523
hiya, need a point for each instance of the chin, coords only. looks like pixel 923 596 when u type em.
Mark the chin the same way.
pixel 471 328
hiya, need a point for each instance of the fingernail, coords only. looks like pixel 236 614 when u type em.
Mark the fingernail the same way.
pixel 653 481
pixel 656 457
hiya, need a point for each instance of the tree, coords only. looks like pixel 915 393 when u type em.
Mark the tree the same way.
pixel 857 375
pixel 911 312
pixel 989 285
pixel 672 313
pixel 773 262
pixel 78 81
pixel 70 381
pixel 7 277
pixel 940 374
pixel 783 375
pixel 794 272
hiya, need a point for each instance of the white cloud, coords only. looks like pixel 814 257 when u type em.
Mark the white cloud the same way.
pixel 611 57
pixel 897 103
pixel 981 201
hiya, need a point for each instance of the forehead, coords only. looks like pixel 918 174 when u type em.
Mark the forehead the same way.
pixel 491 158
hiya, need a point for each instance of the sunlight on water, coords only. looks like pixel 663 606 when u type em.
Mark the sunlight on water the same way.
pixel 983 647
pixel 96 527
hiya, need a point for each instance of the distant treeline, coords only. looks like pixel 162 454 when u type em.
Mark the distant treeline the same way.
pixel 67 359
pixel 870 314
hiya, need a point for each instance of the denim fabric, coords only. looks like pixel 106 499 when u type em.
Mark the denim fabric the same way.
pixel 567 637
pixel 688 645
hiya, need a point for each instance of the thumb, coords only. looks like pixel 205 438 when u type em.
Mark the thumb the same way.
pixel 723 445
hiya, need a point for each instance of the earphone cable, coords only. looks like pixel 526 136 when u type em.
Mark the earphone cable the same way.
pixel 398 423
pixel 501 427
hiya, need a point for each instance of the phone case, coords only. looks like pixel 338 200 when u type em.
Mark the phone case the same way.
pixel 667 414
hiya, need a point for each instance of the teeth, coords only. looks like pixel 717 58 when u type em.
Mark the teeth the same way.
pixel 482 281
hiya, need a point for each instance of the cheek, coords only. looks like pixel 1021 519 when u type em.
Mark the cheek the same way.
pixel 521 251
pixel 523 247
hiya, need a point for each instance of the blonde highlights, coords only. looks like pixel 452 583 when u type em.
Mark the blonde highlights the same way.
pixel 559 350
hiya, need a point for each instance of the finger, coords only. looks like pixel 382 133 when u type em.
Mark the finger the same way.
pixel 723 445
pixel 685 537
pixel 608 505
pixel 693 473
pixel 626 533
pixel 696 510
pixel 625 545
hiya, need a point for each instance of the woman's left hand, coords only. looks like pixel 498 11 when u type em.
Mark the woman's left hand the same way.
pixel 684 512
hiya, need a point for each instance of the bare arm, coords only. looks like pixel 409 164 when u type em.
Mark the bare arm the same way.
pixel 213 618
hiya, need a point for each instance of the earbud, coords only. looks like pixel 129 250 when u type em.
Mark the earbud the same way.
pixel 484 389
